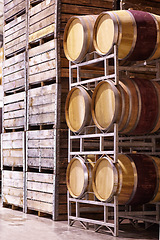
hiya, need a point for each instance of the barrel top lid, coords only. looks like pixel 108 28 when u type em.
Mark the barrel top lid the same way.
pixel 75 109
pixel 104 34
pixel 73 39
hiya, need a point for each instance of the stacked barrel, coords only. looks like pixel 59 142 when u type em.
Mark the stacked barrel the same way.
pixel 14 110
pixel 133 104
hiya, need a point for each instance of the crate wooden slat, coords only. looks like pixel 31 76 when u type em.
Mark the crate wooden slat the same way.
pixel 13 8
pixel 15 35
pixel 40 192
pixel 14 111
pixel 42 105
pixel 14 72
pixel 148 6
pixel 12 190
pixel 41 20
pixel 40 149
pixel 13 149
pixel 42 63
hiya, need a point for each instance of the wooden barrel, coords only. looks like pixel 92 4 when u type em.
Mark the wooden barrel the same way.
pixel 78 109
pixel 157 125
pixel 137 179
pixel 145 179
pixel 148 102
pixel 156 197
pixel 156 52
pixel 106 105
pixel 105 179
pixel 134 107
pixel 79 176
pixel 135 33
pixel 78 37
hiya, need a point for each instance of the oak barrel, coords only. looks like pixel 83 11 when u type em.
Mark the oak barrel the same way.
pixel 78 37
pixel 156 197
pixel 135 33
pixel 106 105
pixel 79 176
pixel 137 179
pixel 78 109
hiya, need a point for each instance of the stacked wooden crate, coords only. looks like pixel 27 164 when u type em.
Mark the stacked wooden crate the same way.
pixel 42 98
pixel 34 102
pixel 14 110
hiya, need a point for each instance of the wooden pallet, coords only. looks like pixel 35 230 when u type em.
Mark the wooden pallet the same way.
pixel 41 105
pixel 13 8
pixel 40 192
pixel 42 64
pixel 13 149
pixel 15 36
pixel 41 20
pixel 12 188
pixel 40 149
pixel 14 111
pixel 14 73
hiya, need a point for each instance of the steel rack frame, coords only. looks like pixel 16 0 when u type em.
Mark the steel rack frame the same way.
pixel 113 146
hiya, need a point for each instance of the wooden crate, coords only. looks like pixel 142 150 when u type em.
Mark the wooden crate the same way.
pixel 40 149
pixel 1 62
pixel 42 65
pixel 13 8
pixel 12 188
pixel 41 104
pixel 13 149
pixel 40 192
pixel 14 111
pixel 143 5
pixel 41 20
pixel 15 34
pixel 14 73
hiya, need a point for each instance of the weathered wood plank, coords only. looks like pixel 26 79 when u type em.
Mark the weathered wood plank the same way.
pixel 13 123
pixel 42 76
pixel 42 67
pixel 17 192
pixel 40 7
pixel 15 176
pixel 15 41
pixel 42 24
pixel 14 76
pixel 14 68
pixel 43 57
pixel 42 134
pixel 40 162
pixel 42 152
pixel 40 177
pixel 14 60
pixel 40 206
pixel 15 10
pixel 12 136
pixel 16 201
pixel 49 11
pixel 41 33
pixel 14 98
pixel 12 24
pixel 15 48
pixel 14 84
pixel 39 196
pixel 46 118
pixel 40 187
pixel 42 48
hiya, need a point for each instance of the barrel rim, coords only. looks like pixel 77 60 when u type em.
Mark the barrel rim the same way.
pixel 86 177
pixel 85 39
pixel 158 177
pixel 158 36
pixel 87 106
pixel 135 179
pixel 95 32
pixel 115 184
pixel 117 104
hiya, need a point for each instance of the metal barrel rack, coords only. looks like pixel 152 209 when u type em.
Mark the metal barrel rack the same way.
pixel 113 215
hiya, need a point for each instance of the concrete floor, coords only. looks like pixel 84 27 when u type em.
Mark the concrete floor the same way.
pixel 15 225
